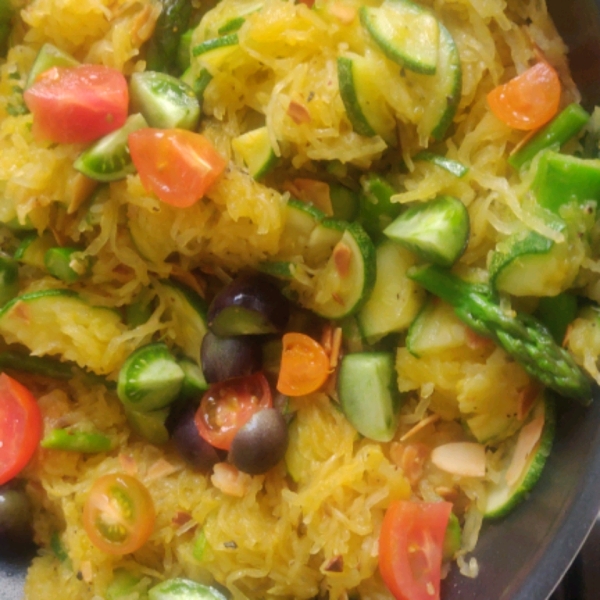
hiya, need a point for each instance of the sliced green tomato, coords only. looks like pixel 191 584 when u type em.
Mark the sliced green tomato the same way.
pixel 443 91
pixel 47 57
pixel 150 378
pixel 33 248
pixel 345 283
pixel 183 589
pixel 436 231
pixel 187 313
pixel 368 395
pixel 533 265
pixel 213 53
pixel 165 101
pixel 108 159
pixel 365 105
pixel 435 329
pixel 150 425
pixel 396 299
pixel 406 32
pixel 448 164
pixel 60 322
pixel 521 469
pixel 194 383
pixel 255 150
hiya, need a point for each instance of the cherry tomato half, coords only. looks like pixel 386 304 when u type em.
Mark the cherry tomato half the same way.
pixel 228 405
pixel 119 514
pixel 304 365
pixel 20 427
pixel 178 166
pixel 77 104
pixel 529 100
pixel 411 546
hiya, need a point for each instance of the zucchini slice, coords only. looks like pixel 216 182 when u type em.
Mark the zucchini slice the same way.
pixel 299 221
pixel 365 105
pixel 108 159
pixel 213 53
pixel 436 231
pixel 523 464
pixel 406 32
pixel 366 388
pixel 396 299
pixel 256 152
pixel 344 284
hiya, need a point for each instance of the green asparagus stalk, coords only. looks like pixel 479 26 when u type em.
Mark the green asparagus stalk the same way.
pixel 522 336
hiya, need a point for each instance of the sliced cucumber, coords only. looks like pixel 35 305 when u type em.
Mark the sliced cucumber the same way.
pixel 437 231
pixel 406 32
pixel 213 53
pixel 255 150
pixel 435 329
pixel 299 221
pixel 368 395
pixel 32 249
pixel 67 264
pixel 60 322
pixel 345 283
pixel 502 496
pixel 47 57
pixel 165 101
pixel 363 100
pixel 183 589
pixel 448 164
pixel 187 313
pixel 108 159
pixel 530 264
pixel 377 210
pixel 396 299
pixel 150 379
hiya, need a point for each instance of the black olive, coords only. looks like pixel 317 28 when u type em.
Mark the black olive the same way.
pixel 16 531
pixel 226 357
pixel 190 445
pixel 261 443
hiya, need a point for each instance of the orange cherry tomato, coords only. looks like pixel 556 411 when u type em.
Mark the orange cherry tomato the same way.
pixel 20 427
pixel 77 104
pixel 177 165
pixel 228 405
pixel 411 548
pixel 304 365
pixel 529 100
pixel 119 514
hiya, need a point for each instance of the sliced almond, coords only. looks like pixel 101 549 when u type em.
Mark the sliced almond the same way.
pixel 420 426
pixel 529 436
pixel 298 113
pixel 465 459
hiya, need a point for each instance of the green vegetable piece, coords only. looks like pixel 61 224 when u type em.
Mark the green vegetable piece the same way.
pixel 163 48
pixel 194 383
pixel 150 378
pixel 231 26
pixel 184 589
pixel 452 539
pixel 123 585
pixel 521 336
pixel 376 210
pixel 77 441
pixel 9 279
pixel 556 313
pixel 140 310
pixel 226 42
pixel 436 231
pixel 452 166
pixel 199 83
pixel 560 130
pixel 344 201
pixel 108 159
pixel 32 249
pixel 67 264
pixel 58 547
pixel 184 51
pixel 165 101
pixel 6 14
pixel 49 56
pixel 150 425
pixel 562 179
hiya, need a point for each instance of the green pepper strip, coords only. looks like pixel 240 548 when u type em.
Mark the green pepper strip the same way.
pixel 76 441
pixel 559 131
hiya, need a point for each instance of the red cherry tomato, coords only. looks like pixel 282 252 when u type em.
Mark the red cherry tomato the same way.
pixel 410 548
pixel 529 100
pixel 77 104
pixel 228 405
pixel 119 514
pixel 304 365
pixel 20 427
pixel 178 166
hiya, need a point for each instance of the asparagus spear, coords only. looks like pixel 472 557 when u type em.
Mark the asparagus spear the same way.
pixel 522 336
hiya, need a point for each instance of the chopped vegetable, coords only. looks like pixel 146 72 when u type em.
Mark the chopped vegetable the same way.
pixel 183 589
pixel 87 442
pixel 529 100
pixel 178 166
pixel 9 279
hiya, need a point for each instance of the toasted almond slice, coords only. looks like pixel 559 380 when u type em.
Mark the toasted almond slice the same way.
pixel 298 113
pixel 529 436
pixel 419 426
pixel 465 459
